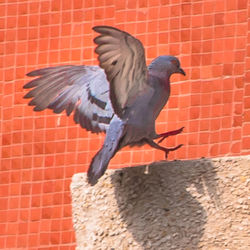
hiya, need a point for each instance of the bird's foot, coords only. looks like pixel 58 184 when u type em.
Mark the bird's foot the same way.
pixel 167 150
pixel 163 136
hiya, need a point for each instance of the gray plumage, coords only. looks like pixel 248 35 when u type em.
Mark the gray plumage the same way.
pixel 123 97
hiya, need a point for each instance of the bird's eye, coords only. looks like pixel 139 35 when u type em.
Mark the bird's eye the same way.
pixel 175 63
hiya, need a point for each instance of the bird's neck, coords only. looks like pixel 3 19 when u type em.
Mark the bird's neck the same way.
pixel 163 78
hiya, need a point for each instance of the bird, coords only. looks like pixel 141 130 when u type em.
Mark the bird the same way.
pixel 121 97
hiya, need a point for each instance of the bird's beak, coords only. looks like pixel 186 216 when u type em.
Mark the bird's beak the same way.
pixel 181 71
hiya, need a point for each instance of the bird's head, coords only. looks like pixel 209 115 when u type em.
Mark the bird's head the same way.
pixel 166 66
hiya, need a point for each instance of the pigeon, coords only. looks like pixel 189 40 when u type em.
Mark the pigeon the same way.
pixel 121 97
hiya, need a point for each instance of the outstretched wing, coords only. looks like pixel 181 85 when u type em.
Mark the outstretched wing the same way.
pixel 123 59
pixel 82 89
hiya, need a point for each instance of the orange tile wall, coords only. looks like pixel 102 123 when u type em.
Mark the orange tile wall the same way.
pixel 41 151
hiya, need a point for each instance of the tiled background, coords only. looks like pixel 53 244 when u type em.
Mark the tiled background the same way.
pixel 41 151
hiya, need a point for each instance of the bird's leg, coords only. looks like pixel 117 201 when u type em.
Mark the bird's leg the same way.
pixel 163 136
pixel 166 150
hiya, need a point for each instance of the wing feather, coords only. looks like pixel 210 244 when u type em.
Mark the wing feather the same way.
pixel 123 59
pixel 82 89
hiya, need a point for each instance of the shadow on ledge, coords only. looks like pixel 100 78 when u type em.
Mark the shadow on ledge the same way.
pixel 162 209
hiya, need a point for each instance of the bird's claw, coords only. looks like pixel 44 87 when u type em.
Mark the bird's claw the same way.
pixel 163 136
pixel 167 150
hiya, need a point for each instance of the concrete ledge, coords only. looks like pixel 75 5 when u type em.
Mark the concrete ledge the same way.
pixel 197 204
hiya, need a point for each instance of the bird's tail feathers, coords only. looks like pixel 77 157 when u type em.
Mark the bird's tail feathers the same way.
pixel 98 166
pixel 111 145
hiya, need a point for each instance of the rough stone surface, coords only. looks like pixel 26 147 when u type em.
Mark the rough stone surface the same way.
pixel 197 204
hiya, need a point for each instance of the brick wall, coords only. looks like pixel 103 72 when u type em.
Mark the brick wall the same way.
pixel 41 151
